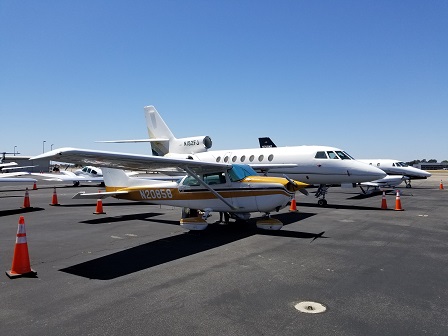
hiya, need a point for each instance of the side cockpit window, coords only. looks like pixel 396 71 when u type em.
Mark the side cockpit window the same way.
pixel 320 155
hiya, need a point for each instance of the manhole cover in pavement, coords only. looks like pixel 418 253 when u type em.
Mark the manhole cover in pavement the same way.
pixel 310 307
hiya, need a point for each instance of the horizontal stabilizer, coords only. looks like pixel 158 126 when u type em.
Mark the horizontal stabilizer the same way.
pixel 135 140
pixel 100 195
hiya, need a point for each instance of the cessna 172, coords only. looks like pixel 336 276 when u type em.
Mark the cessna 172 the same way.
pixel 321 165
pixel 208 186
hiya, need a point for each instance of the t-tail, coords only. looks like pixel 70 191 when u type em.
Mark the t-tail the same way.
pixel 163 141
pixel 266 142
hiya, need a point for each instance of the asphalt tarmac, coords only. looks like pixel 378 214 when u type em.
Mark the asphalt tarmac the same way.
pixel 360 270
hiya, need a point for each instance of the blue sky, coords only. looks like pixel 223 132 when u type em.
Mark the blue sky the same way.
pixel 370 77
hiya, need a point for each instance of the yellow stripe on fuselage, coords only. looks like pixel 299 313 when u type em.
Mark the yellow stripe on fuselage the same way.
pixel 167 194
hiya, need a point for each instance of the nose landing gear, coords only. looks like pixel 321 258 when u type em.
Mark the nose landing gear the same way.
pixel 321 192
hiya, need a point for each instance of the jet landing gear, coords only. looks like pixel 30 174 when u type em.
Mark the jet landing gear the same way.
pixel 321 192
pixel 408 183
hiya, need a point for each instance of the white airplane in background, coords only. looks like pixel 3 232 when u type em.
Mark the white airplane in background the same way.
pixel 389 182
pixel 385 183
pixel 395 167
pixel 321 165
pixel 208 186
pixel 89 174
pixel 12 176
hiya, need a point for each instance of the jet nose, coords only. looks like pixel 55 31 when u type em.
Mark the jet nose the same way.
pixel 369 173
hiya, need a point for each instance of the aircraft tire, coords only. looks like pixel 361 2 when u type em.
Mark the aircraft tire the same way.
pixel 322 202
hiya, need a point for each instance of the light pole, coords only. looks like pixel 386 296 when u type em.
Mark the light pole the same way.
pixel 43 146
pixel 15 150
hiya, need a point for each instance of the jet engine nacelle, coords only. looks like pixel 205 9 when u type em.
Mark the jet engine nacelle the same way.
pixel 190 145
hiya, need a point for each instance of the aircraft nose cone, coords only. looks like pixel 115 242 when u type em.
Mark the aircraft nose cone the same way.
pixel 369 173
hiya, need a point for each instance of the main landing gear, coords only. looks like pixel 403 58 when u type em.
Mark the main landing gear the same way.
pixel 321 192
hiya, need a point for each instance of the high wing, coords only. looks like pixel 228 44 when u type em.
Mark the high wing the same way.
pixel 128 161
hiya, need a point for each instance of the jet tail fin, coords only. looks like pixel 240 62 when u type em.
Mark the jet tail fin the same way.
pixel 266 142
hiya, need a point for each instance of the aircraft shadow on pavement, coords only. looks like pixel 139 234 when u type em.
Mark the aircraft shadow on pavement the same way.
pixel 18 211
pixel 172 248
pixel 339 206
pixel 93 203
pixel 122 218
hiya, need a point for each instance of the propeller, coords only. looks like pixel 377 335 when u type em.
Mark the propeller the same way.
pixel 303 191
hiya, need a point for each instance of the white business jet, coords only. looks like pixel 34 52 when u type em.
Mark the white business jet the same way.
pixel 386 183
pixel 320 165
pixel 208 186
pixel 395 167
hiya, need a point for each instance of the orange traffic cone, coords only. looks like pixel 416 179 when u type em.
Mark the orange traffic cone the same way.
pixel 99 207
pixel 26 200
pixel 293 207
pixel 384 202
pixel 54 199
pixel 21 260
pixel 34 186
pixel 398 202
pixel 441 185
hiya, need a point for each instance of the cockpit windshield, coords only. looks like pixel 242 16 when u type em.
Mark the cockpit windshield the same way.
pixel 239 172
pixel 342 155
pixel 401 164
pixel 333 155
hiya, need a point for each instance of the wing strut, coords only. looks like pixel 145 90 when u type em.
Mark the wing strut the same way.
pixel 205 185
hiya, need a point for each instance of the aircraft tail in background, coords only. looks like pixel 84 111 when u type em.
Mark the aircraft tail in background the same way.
pixel 163 141
pixel 266 142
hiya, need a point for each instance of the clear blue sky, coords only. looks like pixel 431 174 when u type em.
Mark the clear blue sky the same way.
pixel 370 77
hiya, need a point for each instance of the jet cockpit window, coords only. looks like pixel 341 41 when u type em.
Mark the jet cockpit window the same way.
pixel 239 172
pixel 93 172
pixel 342 155
pixel 351 157
pixel 320 155
pixel 402 164
pixel 332 155
pixel 85 169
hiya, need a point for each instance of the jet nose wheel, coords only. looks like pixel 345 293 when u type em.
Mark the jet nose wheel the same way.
pixel 322 202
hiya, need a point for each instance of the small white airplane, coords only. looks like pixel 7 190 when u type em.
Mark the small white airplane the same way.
pixel 12 177
pixel 387 183
pixel 320 165
pixel 208 186
pixel 395 167
pixel 89 174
